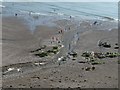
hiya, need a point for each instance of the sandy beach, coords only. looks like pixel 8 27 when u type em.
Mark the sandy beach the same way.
pixel 22 69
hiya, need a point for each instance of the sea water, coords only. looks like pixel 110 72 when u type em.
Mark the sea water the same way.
pixel 44 12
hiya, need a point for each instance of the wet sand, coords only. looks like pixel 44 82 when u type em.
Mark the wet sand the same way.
pixel 18 41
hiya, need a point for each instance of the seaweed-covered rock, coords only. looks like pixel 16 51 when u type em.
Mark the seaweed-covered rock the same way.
pixel 86 54
pixel 43 54
pixel 55 47
pixel 74 54
pixel 87 69
pixel 116 47
pixel 116 43
pixel 43 47
pixel 104 44
pixel 112 55
pixel 99 55
pixel 52 51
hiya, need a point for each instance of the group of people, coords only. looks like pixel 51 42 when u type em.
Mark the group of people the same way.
pixel 55 39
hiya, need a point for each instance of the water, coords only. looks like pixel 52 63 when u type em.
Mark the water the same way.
pixel 58 10
pixel 105 9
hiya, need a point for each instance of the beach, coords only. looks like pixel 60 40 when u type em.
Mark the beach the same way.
pixel 59 45
pixel 25 70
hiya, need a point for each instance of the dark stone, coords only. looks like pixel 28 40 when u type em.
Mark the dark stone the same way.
pixel 93 68
pixel 59 81
pixel 10 85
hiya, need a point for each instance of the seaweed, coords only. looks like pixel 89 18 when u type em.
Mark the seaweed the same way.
pixel 36 52
pixel 43 54
pixel 94 59
pixel 52 51
pixel 104 44
pixel 55 47
pixel 86 54
pixel 43 47
pixel 74 55
pixel 97 62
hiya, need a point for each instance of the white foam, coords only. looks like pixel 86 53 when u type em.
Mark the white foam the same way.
pixel 36 13
pixel 2 6
pixel 61 14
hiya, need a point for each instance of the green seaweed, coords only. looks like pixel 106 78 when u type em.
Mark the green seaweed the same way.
pixel 43 54
pixel 97 62
pixel 55 47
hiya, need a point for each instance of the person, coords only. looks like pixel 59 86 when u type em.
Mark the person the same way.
pixel 54 10
pixel 51 42
pixel 30 12
pixel 61 31
pixel 56 39
pixel 53 39
pixel 100 43
pixel 59 41
pixel 69 28
pixel 65 29
pixel 16 14
pixel 95 22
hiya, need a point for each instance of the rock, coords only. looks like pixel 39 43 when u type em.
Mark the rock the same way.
pixel 87 69
pixel 116 43
pixel 85 80
pixel 93 68
pixel 59 81
pixel 11 86
pixel 116 47
pixel 51 80
pixel 73 80
pixel 81 62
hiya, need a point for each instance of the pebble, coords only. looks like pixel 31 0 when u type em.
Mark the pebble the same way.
pixel 73 80
pixel 98 82
pixel 109 77
pixel 59 81
pixel 93 68
pixel 85 80
pixel 87 68
pixel 51 80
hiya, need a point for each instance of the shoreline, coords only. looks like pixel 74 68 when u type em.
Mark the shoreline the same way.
pixel 51 20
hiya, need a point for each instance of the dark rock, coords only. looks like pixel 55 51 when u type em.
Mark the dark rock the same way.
pixel 93 68
pixel 85 80
pixel 81 62
pixel 87 69
pixel 59 81
pixel 116 47
pixel 10 85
